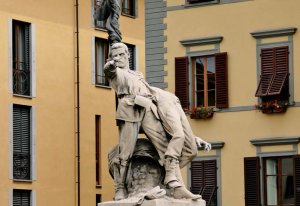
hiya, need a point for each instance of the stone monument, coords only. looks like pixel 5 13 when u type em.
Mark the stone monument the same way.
pixel 146 171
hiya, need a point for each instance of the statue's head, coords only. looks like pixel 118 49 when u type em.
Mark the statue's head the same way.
pixel 120 54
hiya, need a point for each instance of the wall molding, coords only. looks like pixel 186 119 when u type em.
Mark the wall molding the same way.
pixel 271 141
pixel 274 32
pixel 201 41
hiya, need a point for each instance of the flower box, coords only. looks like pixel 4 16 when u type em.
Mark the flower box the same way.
pixel 274 106
pixel 201 113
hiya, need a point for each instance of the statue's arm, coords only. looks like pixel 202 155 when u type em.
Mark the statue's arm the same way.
pixel 110 70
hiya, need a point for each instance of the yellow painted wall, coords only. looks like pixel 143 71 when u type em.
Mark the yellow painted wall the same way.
pixel 55 100
pixel 235 22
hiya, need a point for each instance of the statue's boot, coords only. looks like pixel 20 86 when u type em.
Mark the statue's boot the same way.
pixel 119 180
pixel 182 191
pixel 173 181
pixel 171 165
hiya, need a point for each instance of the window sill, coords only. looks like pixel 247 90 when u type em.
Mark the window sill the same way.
pixel 102 86
pixel 100 29
pixel 99 186
pixel 187 5
pixel 19 180
pixel 128 15
pixel 23 96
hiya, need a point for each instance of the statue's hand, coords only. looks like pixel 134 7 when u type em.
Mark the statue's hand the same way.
pixel 109 64
pixel 202 143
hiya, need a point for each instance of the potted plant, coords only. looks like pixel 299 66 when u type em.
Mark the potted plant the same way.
pixel 273 106
pixel 201 112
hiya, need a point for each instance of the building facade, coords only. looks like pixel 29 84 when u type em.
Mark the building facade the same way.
pixel 235 66
pixel 57 110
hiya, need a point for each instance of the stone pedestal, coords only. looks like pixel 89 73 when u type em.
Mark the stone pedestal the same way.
pixel 156 202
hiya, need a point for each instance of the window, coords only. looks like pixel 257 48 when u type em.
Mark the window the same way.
pixel 281 175
pixel 131 50
pixel 22 198
pixel 21 142
pixel 101 55
pixel 279 181
pixel 274 78
pixel 208 81
pixel 21 57
pixel 98 199
pixel 204 180
pixel 128 7
pixel 98 147
pixel 99 15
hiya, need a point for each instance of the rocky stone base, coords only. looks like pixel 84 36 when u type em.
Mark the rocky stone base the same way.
pixel 155 202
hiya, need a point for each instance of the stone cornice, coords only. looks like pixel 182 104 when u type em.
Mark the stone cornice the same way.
pixel 275 141
pixel 201 41
pixel 215 145
pixel 274 33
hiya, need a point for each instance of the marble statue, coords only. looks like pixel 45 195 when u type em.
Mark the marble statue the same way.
pixel 170 143
pixel 162 119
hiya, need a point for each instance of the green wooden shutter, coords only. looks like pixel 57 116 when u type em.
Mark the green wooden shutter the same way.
pixel 182 81
pixel 252 181
pixel 297 178
pixel 21 142
pixel 21 197
pixel 221 80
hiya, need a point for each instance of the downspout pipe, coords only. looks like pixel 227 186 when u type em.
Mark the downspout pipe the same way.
pixel 77 100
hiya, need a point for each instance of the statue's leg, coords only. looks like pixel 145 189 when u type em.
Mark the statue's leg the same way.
pixel 128 132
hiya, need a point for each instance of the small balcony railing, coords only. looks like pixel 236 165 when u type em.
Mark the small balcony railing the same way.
pixel 21 166
pixel 21 78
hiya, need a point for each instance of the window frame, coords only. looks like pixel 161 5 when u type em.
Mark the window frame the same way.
pixel 106 83
pixel 102 26
pixel 32 130
pixel 199 3
pixel 132 14
pixel 279 175
pixel 31 58
pixel 205 86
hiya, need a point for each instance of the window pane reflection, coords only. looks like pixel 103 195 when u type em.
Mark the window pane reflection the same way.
pixel 272 190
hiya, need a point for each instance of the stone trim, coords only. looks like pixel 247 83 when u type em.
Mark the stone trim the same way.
pixel 201 41
pixel 215 145
pixel 274 32
pixel 275 141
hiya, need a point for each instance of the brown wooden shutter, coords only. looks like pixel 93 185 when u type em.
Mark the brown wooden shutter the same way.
pixel 297 178
pixel 182 81
pixel 267 72
pixel 221 80
pixel 204 178
pixel 281 65
pixel 252 181
pixel 274 71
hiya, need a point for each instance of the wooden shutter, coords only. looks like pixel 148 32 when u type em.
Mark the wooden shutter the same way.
pixel 197 177
pixel 132 56
pixel 281 65
pixel 204 178
pixel 252 181
pixel 21 197
pixel 182 81
pixel 274 71
pixel 21 142
pixel 221 80
pixel 297 178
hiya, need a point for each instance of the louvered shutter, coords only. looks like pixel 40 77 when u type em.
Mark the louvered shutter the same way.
pixel 21 142
pixel 252 181
pixel 204 178
pixel 281 65
pixel 182 81
pixel 221 80
pixel 197 177
pixel 132 56
pixel 21 198
pixel 267 72
pixel 297 178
